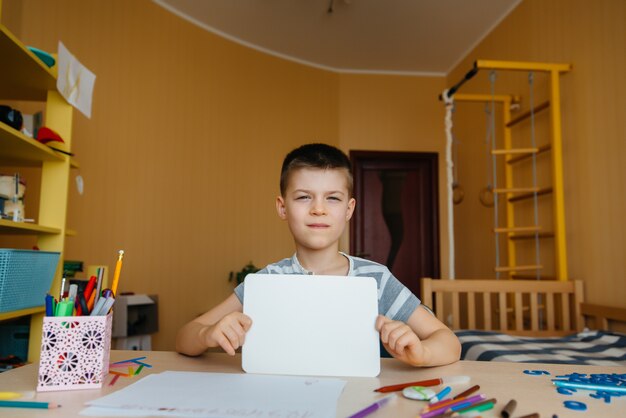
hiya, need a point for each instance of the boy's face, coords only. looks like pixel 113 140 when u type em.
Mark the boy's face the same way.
pixel 316 206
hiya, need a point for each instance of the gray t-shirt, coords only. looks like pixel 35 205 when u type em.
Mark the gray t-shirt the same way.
pixel 395 301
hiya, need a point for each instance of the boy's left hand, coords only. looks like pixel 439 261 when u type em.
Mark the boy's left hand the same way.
pixel 400 341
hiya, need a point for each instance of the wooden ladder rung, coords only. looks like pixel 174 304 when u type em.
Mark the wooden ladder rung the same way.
pixel 530 190
pixel 531 277
pixel 540 150
pixel 524 196
pixel 519 268
pixel 531 236
pixel 528 113
pixel 533 228
pixel 512 151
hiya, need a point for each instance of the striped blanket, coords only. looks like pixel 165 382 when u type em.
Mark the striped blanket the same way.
pixel 598 348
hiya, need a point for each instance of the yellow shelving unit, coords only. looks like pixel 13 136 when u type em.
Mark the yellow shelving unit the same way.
pixel 24 77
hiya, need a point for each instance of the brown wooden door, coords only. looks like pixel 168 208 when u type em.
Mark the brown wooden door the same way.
pixel 396 219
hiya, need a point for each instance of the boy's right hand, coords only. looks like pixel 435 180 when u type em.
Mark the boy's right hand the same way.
pixel 228 333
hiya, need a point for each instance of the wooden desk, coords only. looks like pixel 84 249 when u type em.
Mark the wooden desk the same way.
pixel 500 380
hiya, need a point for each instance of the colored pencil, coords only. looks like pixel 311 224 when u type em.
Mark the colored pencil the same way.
pixel 116 274
pixel 588 386
pixel 28 404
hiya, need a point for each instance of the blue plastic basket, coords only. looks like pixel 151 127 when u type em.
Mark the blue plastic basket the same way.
pixel 25 277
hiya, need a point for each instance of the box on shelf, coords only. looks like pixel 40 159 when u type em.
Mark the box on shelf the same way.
pixel 8 189
pixel 71 267
pixel 14 339
pixel 74 352
pixel 12 190
pixel 25 277
pixel 136 315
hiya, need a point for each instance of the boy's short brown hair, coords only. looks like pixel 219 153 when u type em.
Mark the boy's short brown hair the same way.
pixel 321 156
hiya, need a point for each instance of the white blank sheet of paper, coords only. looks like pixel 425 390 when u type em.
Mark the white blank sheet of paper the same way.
pixel 221 395
pixel 311 325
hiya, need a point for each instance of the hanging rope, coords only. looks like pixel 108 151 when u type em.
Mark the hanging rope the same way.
pixel 458 194
pixel 494 173
pixel 486 193
pixel 449 102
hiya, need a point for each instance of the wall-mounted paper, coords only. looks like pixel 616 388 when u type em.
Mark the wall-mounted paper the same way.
pixel 75 82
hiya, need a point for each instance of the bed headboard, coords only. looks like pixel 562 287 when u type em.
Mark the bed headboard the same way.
pixel 520 307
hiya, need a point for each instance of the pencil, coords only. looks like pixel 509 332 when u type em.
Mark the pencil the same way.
pixel 116 275
pixel 28 404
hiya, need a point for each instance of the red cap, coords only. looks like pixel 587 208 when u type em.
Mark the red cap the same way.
pixel 45 135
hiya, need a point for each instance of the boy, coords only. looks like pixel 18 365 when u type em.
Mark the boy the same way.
pixel 316 201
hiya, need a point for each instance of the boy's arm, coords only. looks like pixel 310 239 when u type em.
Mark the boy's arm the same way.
pixel 223 326
pixel 422 341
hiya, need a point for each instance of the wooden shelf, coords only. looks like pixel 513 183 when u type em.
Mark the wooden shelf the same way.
pixel 22 312
pixel 18 149
pixel 27 77
pixel 26 228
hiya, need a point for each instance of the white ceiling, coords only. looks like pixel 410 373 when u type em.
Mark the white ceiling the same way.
pixel 422 37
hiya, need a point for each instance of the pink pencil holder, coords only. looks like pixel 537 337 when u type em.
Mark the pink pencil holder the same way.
pixel 74 352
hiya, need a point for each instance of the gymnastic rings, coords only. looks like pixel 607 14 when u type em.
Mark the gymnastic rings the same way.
pixel 458 194
pixel 486 196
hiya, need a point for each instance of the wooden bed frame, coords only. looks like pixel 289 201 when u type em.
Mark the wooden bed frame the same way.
pixel 604 317
pixel 518 307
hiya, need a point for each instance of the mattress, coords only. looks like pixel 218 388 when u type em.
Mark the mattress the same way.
pixel 600 348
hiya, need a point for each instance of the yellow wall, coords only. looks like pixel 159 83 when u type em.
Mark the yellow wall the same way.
pixel 182 155
pixel 395 113
pixel 591 36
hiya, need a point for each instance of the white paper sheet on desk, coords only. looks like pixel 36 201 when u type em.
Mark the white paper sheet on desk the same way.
pixel 220 395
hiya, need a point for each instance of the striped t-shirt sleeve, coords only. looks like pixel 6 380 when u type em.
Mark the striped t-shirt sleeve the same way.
pixel 395 301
